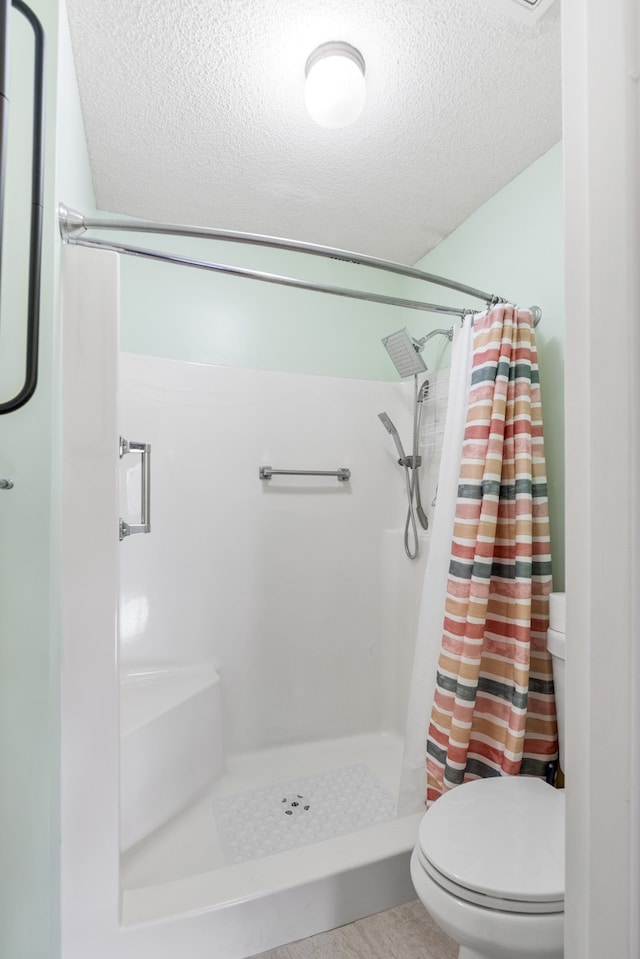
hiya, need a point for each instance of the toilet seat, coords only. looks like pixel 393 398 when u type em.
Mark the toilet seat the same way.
pixel 494 903
pixel 498 843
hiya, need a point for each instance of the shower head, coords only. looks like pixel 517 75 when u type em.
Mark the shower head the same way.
pixel 390 428
pixel 423 392
pixel 404 353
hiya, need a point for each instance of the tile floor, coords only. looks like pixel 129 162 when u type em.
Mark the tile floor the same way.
pixel 406 932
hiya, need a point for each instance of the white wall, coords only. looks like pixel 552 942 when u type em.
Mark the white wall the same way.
pixel 297 589
pixel 89 604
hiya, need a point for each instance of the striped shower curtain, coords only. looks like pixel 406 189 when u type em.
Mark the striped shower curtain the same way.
pixel 493 711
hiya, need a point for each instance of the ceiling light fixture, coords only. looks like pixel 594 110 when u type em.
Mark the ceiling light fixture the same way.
pixel 335 90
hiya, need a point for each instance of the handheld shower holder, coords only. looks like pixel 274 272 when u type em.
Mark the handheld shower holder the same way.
pixel 411 461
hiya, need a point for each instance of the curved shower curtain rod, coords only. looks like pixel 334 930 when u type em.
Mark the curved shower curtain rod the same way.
pixel 73 226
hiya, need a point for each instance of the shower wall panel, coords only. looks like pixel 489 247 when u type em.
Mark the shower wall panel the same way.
pixel 296 589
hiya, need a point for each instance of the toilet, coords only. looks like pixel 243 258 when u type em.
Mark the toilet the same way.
pixel 500 900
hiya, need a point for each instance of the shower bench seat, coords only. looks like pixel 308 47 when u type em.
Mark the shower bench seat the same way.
pixel 170 743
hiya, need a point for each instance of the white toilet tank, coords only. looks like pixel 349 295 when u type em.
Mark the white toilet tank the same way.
pixel 556 638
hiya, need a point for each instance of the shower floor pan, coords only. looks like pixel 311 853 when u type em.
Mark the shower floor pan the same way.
pixel 344 857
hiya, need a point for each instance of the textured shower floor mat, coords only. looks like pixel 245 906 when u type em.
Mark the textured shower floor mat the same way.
pixel 299 812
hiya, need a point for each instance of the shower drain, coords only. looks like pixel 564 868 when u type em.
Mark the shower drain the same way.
pixel 296 805
pixel 300 812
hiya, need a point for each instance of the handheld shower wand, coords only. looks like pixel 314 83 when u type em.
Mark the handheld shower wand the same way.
pixel 412 484
pixel 421 396
pixel 390 428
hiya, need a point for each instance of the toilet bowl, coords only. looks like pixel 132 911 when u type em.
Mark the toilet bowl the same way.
pixel 489 862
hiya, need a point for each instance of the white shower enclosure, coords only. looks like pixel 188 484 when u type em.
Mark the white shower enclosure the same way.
pixel 235 683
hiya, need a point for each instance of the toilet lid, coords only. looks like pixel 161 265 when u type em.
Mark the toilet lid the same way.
pixel 501 837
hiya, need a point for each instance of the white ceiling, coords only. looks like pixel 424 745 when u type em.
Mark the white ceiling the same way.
pixel 194 113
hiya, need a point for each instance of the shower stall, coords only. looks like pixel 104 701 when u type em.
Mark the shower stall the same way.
pixel 244 680
pixel 265 634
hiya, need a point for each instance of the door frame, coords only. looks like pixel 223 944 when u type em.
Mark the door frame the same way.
pixel 602 273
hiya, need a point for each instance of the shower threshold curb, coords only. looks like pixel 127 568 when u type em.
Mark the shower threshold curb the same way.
pixel 259 905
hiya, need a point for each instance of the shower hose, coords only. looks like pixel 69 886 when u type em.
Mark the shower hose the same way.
pixel 411 481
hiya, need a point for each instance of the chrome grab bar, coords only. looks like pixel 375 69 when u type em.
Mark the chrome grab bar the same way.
pixel 144 526
pixel 342 473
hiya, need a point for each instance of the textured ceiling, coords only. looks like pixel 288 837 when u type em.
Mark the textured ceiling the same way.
pixel 194 113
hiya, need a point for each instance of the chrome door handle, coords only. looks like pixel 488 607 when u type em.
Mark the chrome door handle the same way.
pixel 144 526
pixel 6 484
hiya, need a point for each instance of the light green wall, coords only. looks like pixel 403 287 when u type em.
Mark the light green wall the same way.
pixel 187 314
pixel 513 246
pixel 29 550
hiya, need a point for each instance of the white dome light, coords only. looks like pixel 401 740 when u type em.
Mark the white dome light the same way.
pixel 335 90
